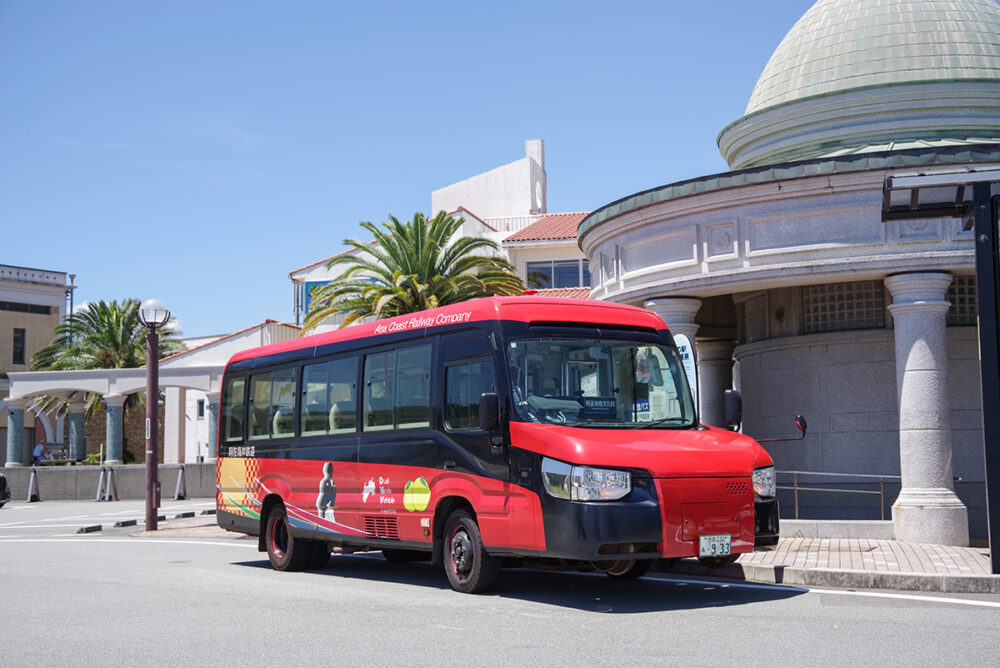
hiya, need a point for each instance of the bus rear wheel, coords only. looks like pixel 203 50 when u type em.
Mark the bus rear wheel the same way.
pixel 469 567
pixel 284 551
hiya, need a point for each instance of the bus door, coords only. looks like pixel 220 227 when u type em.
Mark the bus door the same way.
pixel 326 459
pixel 398 449
pixel 469 372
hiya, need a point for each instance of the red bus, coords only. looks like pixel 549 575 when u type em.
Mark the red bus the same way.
pixel 491 433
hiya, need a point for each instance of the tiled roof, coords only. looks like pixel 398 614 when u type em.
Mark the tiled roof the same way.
pixel 550 227
pixel 573 293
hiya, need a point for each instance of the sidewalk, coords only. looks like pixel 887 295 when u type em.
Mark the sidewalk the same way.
pixel 862 564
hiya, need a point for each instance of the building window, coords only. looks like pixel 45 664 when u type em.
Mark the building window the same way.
pixel 559 274
pixel 962 295
pixel 201 409
pixel 18 346
pixel 839 306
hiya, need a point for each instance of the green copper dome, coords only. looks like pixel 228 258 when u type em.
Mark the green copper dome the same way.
pixel 854 73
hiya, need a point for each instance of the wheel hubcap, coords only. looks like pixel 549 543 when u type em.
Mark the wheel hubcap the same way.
pixel 279 538
pixel 461 552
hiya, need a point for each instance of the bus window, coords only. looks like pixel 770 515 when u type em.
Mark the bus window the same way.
pixel 232 410
pixel 315 399
pixel 328 397
pixel 272 404
pixel 397 389
pixel 283 403
pixel 260 406
pixel 464 384
pixel 379 370
pixel 413 397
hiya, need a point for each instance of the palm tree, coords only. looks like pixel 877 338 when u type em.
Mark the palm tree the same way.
pixel 411 267
pixel 104 335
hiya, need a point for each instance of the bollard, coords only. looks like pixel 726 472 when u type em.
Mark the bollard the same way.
pixel 107 484
pixel 180 491
pixel 33 493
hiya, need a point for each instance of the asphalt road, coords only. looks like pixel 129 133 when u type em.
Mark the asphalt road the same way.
pixel 198 597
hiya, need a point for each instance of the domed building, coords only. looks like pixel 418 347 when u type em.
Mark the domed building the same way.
pixel 795 286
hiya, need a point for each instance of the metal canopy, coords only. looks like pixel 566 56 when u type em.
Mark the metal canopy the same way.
pixel 974 197
pixel 947 195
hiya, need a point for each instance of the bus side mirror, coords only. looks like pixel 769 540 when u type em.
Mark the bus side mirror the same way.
pixel 734 409
pixel 489 411
pixel 800 422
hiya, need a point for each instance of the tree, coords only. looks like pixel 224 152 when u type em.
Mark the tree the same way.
pixel 104 335
pixel 411 267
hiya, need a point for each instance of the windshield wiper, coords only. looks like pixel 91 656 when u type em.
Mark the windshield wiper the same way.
pixel 655 423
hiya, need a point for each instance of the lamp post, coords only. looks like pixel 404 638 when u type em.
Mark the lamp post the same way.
pixel 153 315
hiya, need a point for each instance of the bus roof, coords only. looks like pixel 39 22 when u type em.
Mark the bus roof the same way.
pixel 527 308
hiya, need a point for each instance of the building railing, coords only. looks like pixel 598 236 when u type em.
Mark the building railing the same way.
pixel 882 478
pixel 796 488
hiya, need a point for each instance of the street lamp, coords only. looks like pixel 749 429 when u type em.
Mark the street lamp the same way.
pixel 153 315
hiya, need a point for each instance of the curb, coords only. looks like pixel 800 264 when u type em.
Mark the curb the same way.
pixel 845 579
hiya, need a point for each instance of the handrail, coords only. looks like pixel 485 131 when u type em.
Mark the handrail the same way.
pixel 796 489
pixel 876 476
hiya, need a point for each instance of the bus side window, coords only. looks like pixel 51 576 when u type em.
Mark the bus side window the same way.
pixel 232 410
pixel 464 384
pixel 343 395
pixel 379 370
pixel 315 399
pixel 413 398
pixel 283 403
pixel 397 388
pixel 260 406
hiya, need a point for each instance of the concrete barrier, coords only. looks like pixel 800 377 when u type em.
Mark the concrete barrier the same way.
pixel 79 482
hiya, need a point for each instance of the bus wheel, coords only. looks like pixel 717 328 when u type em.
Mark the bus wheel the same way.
pixel 629 570
pixel 285 552
pixel 320 555
pixel 718 562
pixel 469 567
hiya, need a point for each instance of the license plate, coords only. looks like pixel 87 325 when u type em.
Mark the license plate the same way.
pixel 715 546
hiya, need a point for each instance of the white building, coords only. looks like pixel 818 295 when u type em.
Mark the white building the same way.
pixel 793 287
pixel 505 205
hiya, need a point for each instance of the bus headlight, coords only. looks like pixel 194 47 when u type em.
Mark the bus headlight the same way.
pixel 763 482
pixel 584 483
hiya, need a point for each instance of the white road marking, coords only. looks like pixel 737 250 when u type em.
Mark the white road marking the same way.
pixel 838 592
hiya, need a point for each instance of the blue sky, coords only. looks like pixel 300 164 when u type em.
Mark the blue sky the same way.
pixel 199 151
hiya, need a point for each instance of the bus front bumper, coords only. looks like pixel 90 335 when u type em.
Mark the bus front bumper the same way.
pixel 765 521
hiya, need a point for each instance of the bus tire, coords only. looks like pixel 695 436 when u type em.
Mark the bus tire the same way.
pixel 284 551
pixel 320 555
pixel 630 570
pixel 469 567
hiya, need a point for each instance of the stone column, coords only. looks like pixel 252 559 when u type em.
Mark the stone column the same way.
pixel 927 509
pixel 213 426
pixel 113 431
pixel 15 431
pixel 715 376
pixel 679 313
pixel 77 437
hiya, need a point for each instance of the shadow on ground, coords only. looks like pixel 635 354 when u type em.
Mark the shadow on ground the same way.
pixel 589 592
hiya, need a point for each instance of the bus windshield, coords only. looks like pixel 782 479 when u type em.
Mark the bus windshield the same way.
pixel 602 383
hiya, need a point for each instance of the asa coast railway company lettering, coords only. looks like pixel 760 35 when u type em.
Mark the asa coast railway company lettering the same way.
pixel 418 322
pixel 517 431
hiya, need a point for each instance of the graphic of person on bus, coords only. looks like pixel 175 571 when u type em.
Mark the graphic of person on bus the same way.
pixel 327 493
